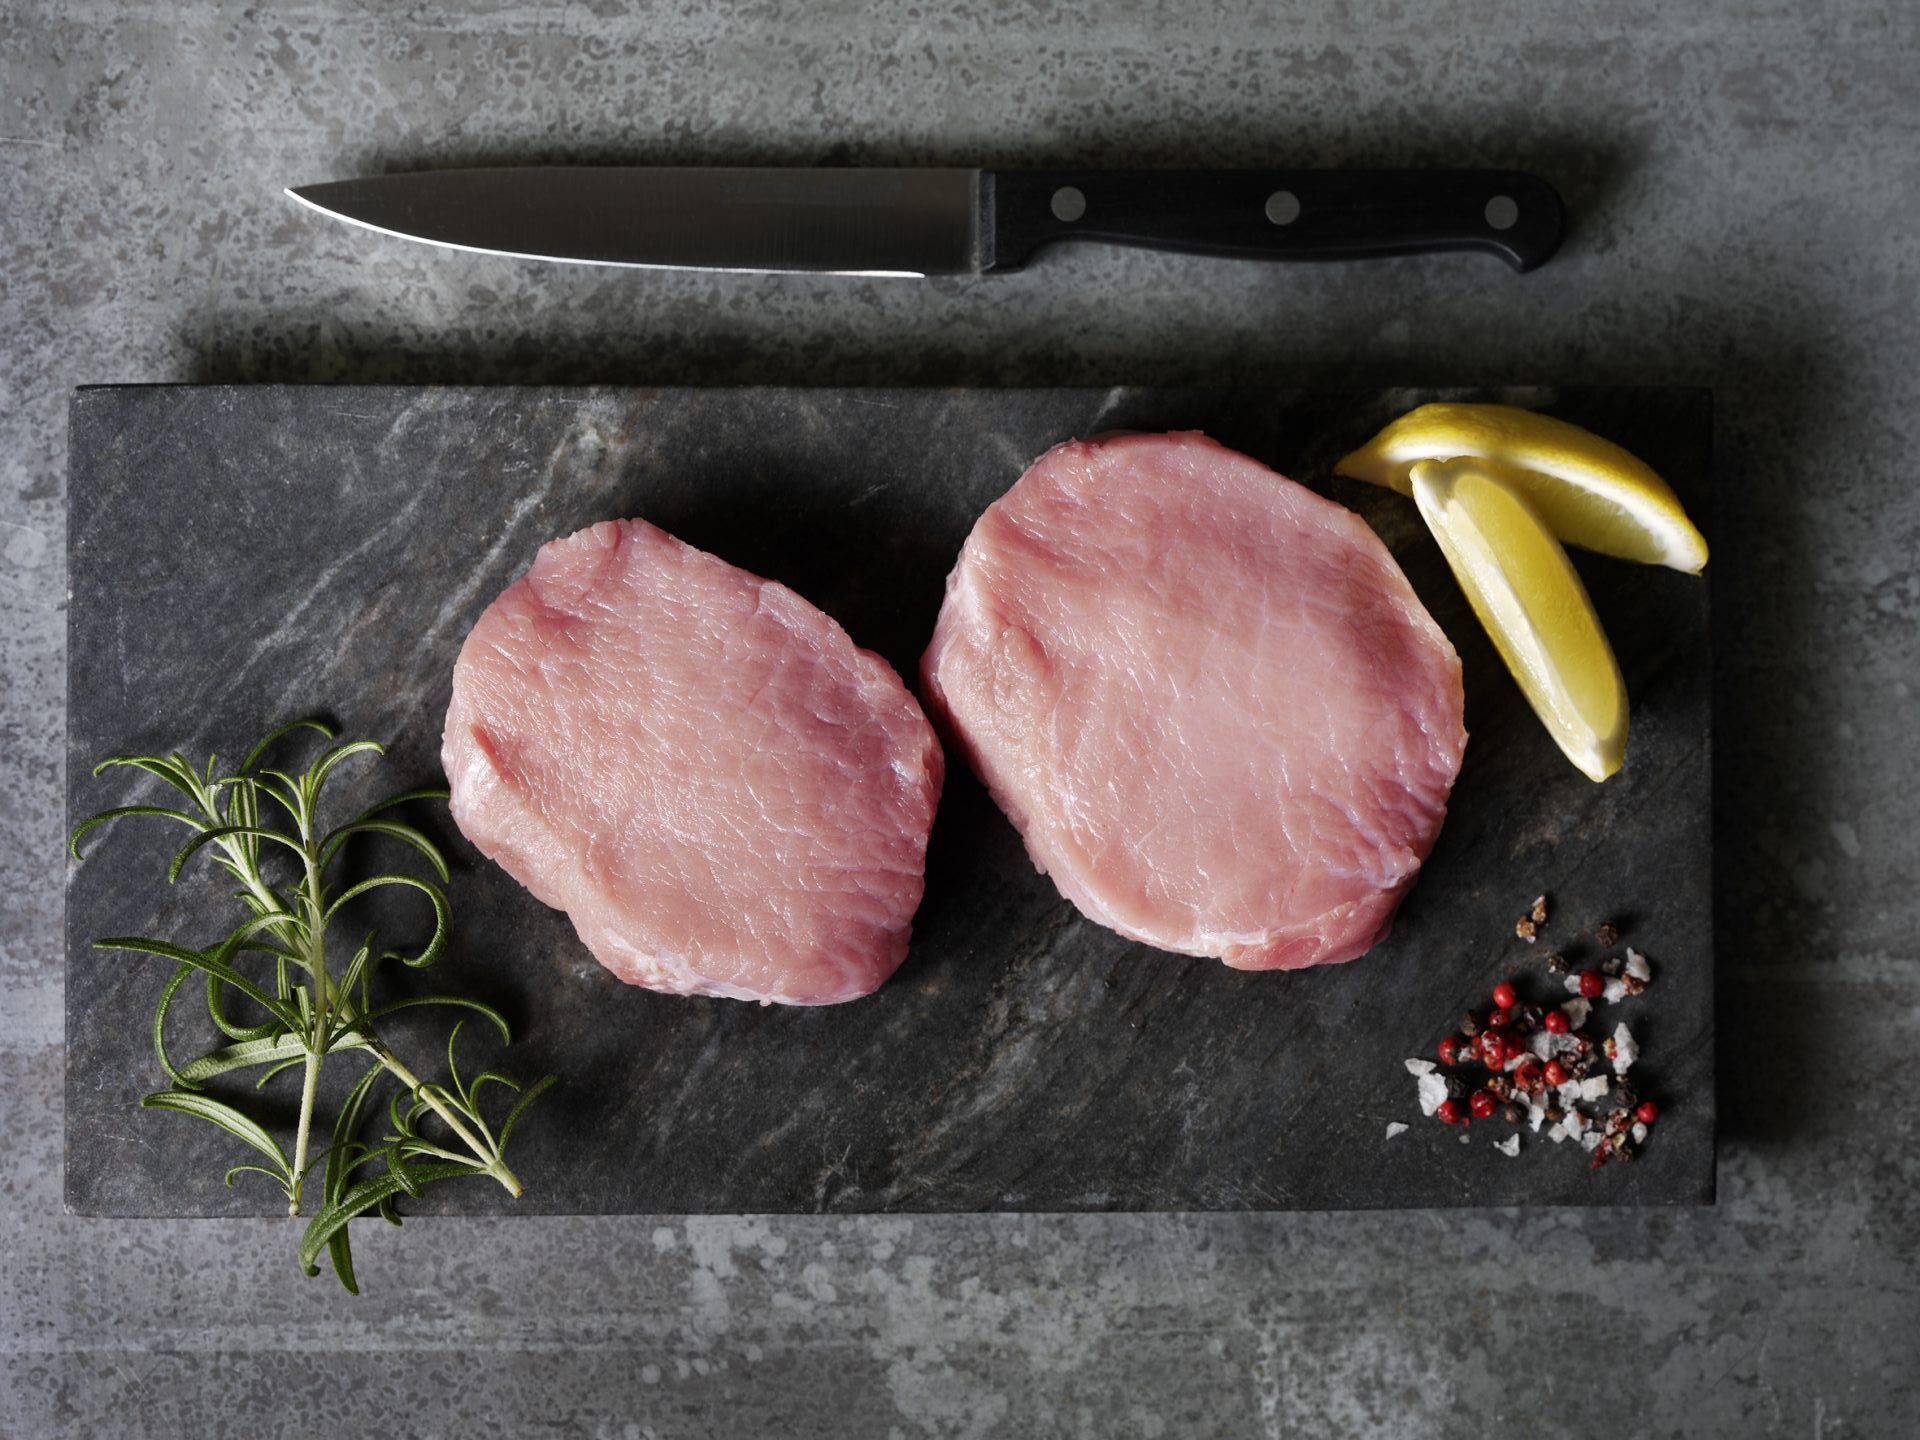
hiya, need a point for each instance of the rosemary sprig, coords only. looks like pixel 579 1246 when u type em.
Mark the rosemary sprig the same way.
pixel 255 821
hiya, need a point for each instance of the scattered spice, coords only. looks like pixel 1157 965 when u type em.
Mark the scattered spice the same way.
pixel 1527 927
pixel 1541 1067
pixel 1622 1049
pixel 1636 974
pixel 1493 1047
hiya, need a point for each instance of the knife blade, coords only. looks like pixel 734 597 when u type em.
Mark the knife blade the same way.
pixel 895 222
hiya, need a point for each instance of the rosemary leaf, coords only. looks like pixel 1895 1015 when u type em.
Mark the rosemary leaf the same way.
pixel 225 973
pixel 73 843
pixel 205 1107
pixel 180 977
pixel 367 1195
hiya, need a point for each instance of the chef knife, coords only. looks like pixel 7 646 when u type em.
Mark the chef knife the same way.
pixel 944 222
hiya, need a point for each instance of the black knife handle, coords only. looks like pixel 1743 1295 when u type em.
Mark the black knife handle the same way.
pixel 1273 214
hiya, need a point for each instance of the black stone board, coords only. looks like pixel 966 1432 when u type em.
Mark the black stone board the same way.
pixel 241 556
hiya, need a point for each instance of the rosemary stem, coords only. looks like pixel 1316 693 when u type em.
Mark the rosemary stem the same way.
pixel 307 1090
pixel 496 1164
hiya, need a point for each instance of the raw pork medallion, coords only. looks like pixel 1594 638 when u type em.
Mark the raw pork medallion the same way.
pixel 1207 698
pixel 722 791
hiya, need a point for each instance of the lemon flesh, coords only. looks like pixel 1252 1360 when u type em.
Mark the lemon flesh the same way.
pixel 1590 492
pixel 1525 591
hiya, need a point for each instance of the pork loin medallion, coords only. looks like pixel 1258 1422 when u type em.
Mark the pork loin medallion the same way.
pixel 724 793
pixel 1207 698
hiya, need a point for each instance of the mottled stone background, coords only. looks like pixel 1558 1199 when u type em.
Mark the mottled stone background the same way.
pixel 1746 185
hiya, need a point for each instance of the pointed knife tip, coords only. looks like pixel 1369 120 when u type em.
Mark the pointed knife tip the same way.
pixel 305 195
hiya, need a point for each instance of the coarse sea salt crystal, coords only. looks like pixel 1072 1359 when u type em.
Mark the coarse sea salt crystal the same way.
pixel 1625 1049
pixel 1573 984
pixel 1394 1127
pixel 1433 1089
pixel 1541 1044
pixel 1591 1140
pixel 1466 1139
pixel 1419 1067
pixel 1577 1012
pixel 1536 1115
pixel 1572 1124
pixel 1615 992
pixel 1637 965
pixel 1639 1133
pixel 1594 1087
pixel 1568 1044
pixel 1509 1146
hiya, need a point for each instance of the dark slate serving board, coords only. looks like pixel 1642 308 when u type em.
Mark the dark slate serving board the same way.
pixel 240 556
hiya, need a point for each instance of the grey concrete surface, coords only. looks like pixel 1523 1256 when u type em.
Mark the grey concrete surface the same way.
pixel 1746 178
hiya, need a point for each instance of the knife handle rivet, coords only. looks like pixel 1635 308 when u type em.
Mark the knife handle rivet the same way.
pixel 1068 204
pixel 1503 212
pixel 1283 207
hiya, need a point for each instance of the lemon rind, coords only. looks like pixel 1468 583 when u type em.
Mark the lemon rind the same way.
pixel 1448 431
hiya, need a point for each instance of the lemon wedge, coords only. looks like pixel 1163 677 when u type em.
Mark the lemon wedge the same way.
pixel 1590 492
pixel 1525 591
